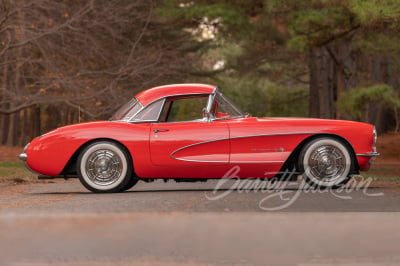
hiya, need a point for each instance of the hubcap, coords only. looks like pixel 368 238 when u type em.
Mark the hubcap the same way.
pixel 327 163
pixel 103 167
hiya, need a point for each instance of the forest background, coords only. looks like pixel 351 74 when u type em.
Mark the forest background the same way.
pixel 68 61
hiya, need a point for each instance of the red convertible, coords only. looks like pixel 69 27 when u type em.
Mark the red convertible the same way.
pixel 192 132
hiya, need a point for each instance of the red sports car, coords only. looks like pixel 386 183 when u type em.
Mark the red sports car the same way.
pixel 192 132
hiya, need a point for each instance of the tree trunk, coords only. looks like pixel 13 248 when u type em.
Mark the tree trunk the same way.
pixel 341 53
pixel 322 83
pixel 36 118
pixel 379 115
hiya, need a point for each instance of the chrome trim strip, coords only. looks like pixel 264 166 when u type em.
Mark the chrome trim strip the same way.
pixel 167 123
pixel 241 137
pixel 198 161
pixel 275 134
pixel 222 139
pixel 195 144
pixel 257 162
pixel 227 118
pixel 371 154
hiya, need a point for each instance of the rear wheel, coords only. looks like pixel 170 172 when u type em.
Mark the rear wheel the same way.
pixel 104 166
pixel 326 163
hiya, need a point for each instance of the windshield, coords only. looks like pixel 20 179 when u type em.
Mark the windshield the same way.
pixel 223 108
pixel 127 110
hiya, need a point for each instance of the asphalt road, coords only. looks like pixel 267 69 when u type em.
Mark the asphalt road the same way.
pixel 172 223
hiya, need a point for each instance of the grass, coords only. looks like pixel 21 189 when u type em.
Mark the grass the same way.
pixel 383 173
pixel 386 178
pixel 15 173
pixel 378 177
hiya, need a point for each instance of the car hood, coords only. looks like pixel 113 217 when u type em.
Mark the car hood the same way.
pixel 86 126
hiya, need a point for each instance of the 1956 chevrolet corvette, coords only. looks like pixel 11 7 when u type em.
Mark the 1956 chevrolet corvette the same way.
pixel 192 132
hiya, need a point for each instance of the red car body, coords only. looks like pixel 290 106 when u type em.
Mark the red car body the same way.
pixel 200 148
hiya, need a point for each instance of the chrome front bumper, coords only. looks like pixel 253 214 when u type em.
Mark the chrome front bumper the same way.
pixel 23 157
pixel 371 154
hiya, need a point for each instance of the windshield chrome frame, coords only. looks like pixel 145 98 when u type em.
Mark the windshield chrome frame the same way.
pixel 212 98
pixel 141 108
pixel 127 120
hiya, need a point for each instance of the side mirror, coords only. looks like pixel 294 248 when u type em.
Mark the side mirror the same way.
pixel 206 114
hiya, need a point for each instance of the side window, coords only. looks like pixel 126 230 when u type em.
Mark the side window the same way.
pixel 150 113
pixel 179 109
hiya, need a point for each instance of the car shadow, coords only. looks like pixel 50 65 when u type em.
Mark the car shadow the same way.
pixel 173 190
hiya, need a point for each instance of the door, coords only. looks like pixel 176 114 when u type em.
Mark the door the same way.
pixel 183 137
pixel 192 143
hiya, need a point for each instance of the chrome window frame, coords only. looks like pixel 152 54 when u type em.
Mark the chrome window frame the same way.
pixel 131 120
pixel 141 108
pixel 211 103
pixel 211 99
pixel 162 107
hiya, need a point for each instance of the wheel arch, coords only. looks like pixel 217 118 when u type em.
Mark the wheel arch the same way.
pixel 291 164
pixel 70 167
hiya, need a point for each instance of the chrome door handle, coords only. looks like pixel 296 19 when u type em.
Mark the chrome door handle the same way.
pixel 160 130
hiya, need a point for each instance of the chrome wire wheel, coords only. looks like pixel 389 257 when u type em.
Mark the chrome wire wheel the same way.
pixel 104 167
pixel 325 162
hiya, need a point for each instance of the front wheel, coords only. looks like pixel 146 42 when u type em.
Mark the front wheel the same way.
pixel 104 166
pixel 326 163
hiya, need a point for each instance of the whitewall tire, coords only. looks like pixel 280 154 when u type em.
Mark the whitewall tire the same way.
pixel 326 163
pixel 104 166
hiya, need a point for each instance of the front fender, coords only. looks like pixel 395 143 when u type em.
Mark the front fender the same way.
pixel 50 153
